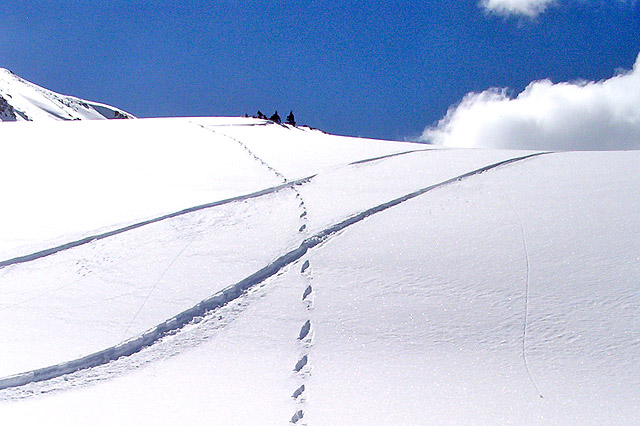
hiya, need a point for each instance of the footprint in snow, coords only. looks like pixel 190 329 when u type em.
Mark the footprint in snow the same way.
pixel 301 363
pixel 297 416
pixel 307 292
pixel 298 392
pixel 304 331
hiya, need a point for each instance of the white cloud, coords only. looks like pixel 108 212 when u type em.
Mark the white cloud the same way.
pixel 529 8
pixel 603 115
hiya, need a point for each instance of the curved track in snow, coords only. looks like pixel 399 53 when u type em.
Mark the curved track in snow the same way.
pixel 86 240
pixel 526 296
pixel 382 157
pixel 247 150
pixel 223 297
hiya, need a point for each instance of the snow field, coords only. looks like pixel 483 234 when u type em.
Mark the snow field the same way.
pixel 98 295
pixel 462 305
pixel 235 371
pixel 140 277
pixel 64 180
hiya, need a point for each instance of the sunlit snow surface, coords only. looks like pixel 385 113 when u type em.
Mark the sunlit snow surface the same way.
pixel 21 100
pixel 505 297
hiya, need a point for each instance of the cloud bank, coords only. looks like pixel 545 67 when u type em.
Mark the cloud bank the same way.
pixel 603 115
pixel 528 8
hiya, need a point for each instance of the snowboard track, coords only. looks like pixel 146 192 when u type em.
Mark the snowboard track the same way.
pixel 228 294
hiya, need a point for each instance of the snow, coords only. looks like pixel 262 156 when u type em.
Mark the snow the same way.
pixel 448 314
pixel 421 286
pixel 21 100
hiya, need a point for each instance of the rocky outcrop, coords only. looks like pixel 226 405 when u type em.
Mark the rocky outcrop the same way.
pixel 6 110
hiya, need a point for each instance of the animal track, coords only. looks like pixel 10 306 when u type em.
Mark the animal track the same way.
pixel 305 266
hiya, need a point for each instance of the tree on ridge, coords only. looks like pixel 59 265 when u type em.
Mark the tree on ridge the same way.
pixel 291 119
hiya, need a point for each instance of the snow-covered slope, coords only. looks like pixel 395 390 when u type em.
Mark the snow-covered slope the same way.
pixel 236 272
pixel 21 100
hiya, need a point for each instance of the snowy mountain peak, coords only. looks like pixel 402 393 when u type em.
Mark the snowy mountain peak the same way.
pixel 21 100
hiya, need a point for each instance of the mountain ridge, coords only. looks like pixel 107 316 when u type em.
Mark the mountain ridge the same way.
pixel 22 100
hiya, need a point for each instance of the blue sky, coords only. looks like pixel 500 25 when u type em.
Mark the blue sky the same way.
pixel 382 69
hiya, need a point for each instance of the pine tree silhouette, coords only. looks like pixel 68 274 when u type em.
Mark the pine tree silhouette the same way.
pixel 261 115
pixel 275 117
pixel 291 119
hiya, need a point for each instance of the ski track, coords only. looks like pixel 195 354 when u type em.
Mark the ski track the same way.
pixel 383 157
pixel 302 366
pixel 526 297
pixel 86 240
pixel 287 184
pixel 152 289
pixel 228 294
